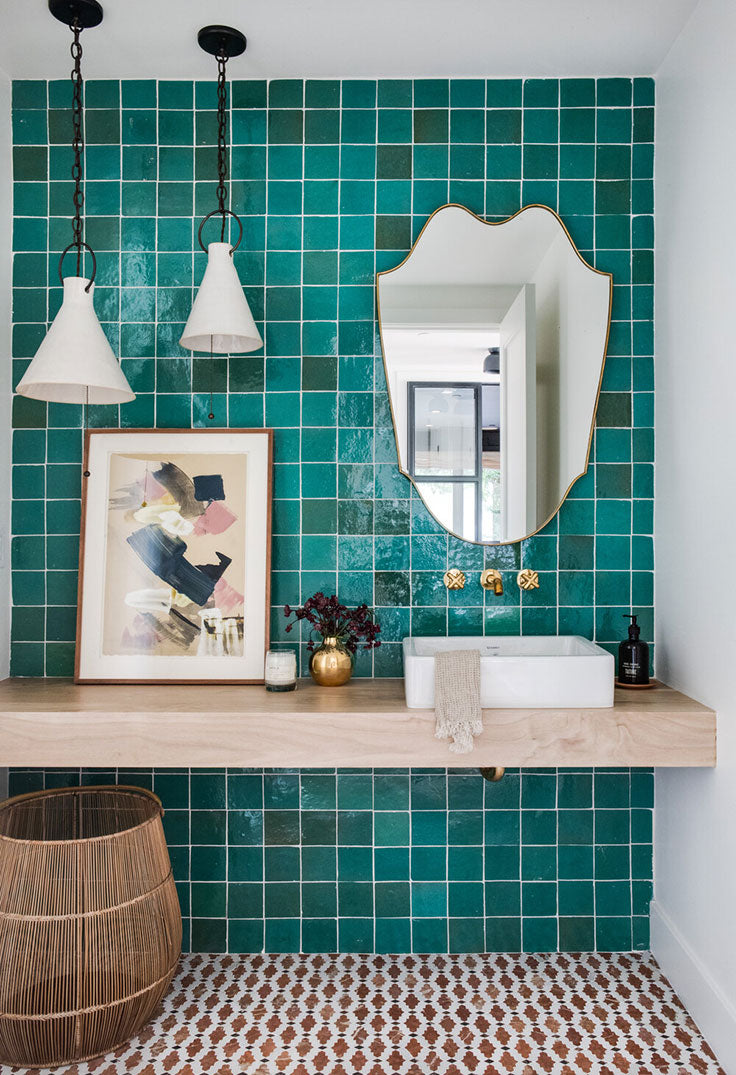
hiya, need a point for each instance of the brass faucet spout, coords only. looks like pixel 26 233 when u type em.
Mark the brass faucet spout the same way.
pixel 491 579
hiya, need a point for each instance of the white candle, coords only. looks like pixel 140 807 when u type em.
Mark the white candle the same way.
pixel 280 674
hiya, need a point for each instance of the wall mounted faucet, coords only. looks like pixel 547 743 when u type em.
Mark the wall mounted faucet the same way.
pixel 491 579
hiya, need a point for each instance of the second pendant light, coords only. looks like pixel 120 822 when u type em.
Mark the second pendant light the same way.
pixel 220 320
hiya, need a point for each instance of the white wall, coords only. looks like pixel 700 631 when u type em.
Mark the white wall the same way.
pixel 694 925
pixel 6 246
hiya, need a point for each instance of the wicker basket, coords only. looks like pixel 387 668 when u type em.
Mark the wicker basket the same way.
pixel 90 926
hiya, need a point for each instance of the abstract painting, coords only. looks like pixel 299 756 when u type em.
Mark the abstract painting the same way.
pixel 174 565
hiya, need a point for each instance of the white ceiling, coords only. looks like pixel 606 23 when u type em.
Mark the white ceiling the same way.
pixel 353 38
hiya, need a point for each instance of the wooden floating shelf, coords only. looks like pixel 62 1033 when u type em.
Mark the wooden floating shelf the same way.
pixel 47 722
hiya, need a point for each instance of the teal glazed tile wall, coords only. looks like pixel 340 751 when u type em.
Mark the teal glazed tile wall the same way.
pixel 392 860
pixel 333 181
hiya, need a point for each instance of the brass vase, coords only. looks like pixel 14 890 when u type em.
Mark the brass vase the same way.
pixel 331 664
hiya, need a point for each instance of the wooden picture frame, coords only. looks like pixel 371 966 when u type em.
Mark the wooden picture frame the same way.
pixel 175 556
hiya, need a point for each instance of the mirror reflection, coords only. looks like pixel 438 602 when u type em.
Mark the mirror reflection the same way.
pixel 493 339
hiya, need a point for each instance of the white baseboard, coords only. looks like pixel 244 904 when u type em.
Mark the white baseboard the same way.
pixel 691 980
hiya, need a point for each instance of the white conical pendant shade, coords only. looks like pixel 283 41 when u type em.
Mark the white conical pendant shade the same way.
pixel 75 363
pixel 221 320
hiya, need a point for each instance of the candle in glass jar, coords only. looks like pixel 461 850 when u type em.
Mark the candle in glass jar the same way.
pixel 280 672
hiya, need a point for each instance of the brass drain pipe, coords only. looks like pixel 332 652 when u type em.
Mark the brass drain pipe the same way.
pixel 494 774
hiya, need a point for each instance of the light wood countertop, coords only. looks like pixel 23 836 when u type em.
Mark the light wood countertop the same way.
pixel 48 722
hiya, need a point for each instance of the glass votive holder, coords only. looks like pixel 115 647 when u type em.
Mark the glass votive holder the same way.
pixel 280 674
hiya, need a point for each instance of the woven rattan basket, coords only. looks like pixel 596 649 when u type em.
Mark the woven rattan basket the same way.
pixel 90 926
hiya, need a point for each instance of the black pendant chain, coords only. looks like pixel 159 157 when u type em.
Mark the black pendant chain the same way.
pixel 77 142
pixel 77 242
pixel 221 139
pixel 222 49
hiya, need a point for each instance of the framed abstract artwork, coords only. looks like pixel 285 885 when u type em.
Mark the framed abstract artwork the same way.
pixel 174 573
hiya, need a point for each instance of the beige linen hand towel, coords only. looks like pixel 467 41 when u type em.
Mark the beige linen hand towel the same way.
pixel 457 711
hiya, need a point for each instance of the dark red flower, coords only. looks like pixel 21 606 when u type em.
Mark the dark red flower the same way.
pixel 330 619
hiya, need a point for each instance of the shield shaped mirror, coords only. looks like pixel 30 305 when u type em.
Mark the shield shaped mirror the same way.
pixel 494 338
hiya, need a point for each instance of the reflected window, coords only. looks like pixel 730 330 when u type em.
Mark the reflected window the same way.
pixel 454 454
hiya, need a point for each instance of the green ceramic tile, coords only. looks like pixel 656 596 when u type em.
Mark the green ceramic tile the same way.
pixel 209 935
pixel 613 480
pixel 358 93
pixel 613 162
pixel 503 125
pixel 540 125
pixel 322 126
pixel 503 92
pixel 643 124
pixel 395 125
pixel 394 93
pixel 503 198
pixel 614 125
pixel 285 93
pixel 503 934
pixel 540 162
pixel 29 93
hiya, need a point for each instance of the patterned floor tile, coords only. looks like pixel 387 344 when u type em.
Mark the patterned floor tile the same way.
pixel 412 1015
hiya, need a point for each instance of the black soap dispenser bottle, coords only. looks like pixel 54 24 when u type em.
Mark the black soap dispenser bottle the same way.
pixel 633 658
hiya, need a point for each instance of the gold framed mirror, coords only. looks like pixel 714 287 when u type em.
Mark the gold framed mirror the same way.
pixel 494 338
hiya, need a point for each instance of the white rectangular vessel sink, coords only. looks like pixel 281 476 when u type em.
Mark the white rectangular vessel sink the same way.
pixel 518 672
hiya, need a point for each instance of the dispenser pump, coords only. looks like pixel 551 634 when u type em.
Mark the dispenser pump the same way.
pixel 634 628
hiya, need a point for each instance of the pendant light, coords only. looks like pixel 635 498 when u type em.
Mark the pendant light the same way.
pixel 75 363
pixel 220 320
pixel 492 361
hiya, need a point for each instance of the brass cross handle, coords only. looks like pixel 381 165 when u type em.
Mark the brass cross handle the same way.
pixel 528 579
pixel 454 579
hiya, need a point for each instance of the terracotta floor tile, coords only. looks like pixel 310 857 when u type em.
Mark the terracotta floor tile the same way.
pixel 589 1014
